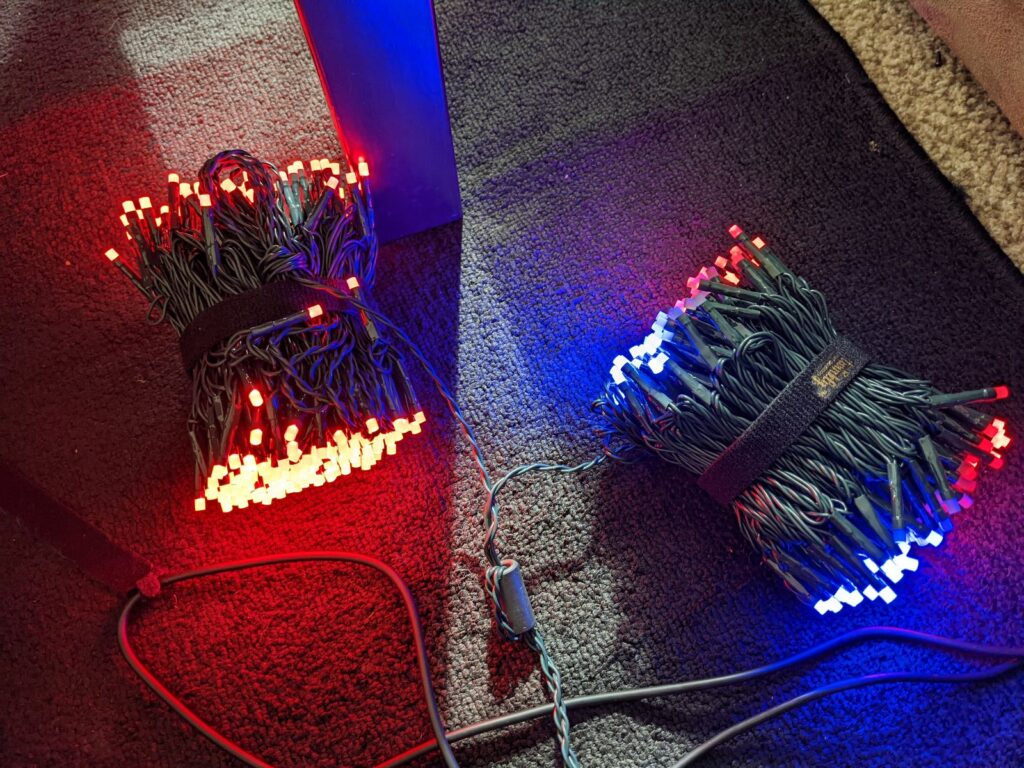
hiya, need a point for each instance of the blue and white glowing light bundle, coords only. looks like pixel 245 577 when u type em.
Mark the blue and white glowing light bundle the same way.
pixel 835 466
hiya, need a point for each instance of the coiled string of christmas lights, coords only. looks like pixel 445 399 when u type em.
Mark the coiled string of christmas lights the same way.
pixel 239 230
pixel 881 468
pixel 298 400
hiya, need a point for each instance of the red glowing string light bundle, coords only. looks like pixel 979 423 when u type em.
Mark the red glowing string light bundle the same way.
pixel 834 466
pixel 265 276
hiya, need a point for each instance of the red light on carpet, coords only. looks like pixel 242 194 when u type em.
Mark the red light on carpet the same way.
pixel 735 231
pixel 965 485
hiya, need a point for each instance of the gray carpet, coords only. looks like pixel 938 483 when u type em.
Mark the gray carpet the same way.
pixel 603 151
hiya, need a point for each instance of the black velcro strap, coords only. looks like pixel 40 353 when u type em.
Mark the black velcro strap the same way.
pixel 265 304
pixel 783 421
pixel 87 546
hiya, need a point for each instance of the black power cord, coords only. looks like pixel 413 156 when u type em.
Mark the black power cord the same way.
pixel 415 625
pixel 444 739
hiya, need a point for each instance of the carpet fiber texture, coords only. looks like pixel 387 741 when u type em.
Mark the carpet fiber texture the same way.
pixel 942 105
pixel 603 150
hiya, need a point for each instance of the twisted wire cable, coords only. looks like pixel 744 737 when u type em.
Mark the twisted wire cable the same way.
pixel 553 680
pixel 499 570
